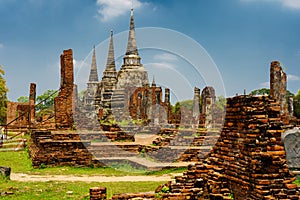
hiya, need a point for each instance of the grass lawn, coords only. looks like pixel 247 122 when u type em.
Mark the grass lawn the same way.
pixel 51 190
pixel 20 163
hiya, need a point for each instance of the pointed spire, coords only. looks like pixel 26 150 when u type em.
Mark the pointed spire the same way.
pixel 110 64
pixel 93 73
pixel 153 82
pixel 131 46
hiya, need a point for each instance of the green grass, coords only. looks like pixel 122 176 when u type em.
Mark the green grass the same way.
pixel 58 190
pixel 297 182
pixel 20 163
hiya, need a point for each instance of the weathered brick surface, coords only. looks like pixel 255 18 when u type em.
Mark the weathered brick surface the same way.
pixel 59 149
pixel 248 159
pixel 278 82
pixel 63 103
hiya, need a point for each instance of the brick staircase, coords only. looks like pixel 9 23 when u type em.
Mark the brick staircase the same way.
pixel 13 144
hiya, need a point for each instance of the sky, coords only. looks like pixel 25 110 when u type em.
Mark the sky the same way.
pixel 183 44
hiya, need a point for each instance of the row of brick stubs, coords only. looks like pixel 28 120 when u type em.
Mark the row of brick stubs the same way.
pixel 248 161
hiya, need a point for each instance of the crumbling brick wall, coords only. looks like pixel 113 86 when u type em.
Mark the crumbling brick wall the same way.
pixel 248 160
pixel 63 103
pixel 58 149
pixel 146 103
pixel 22 115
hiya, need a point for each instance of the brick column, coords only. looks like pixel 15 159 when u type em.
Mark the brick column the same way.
pixel 63 103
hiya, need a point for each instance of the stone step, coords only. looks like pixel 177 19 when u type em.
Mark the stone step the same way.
pixel 112 154
pixel 139 162
pixel 11 149
pixel 114 148
pixel 13 145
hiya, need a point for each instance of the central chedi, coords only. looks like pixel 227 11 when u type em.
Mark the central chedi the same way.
pixel 132 72
pixel 125 94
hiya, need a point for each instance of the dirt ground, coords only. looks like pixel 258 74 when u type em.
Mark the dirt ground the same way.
pixel 39 178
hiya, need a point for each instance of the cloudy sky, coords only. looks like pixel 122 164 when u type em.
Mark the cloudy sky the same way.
pixel 241 37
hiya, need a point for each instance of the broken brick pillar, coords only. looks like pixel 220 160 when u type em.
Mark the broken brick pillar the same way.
pixel 32 97
pixel 208 102
pixel 278 86
pixel 63 103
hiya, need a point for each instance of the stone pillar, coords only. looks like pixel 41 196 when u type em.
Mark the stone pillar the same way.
pixel 278 86
pixel 167 95
pixel 63 103
pixel 208 102
pixel 97 193
pixel 196 106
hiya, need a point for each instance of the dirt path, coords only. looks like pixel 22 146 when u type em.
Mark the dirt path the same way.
pixel 83 178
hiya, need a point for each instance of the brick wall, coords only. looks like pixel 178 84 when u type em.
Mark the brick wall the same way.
pixel 58 149
pixel 248 160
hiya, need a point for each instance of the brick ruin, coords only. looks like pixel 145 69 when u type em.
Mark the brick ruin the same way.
pixel 278 86
pixel 22 115
pixel 64 102
pixel 249 159
pixel 63 148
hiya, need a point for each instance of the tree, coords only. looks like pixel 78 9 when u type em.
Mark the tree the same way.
pixel 46 100
pixel 186 104
pixel 23 99
pixel 221 102
pixel 265 91
pixel 262 91
pixel 3 97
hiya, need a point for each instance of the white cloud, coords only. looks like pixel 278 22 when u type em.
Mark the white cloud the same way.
pixel 293 4
pixel 291 77
pixel 110 9
pixel 264 85
pixel 78 64
pixel 167 57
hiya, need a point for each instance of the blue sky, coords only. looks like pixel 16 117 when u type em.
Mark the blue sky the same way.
pixel 242 37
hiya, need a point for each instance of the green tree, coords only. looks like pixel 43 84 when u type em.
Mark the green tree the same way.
pixel 187 104
pixel 265 91
pixel 262 91
pixel 221 102
pixel 3 97
pixel 23 99
pixel 46 100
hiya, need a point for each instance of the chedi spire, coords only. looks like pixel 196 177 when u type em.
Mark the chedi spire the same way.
pixel 110 64
pixel 131 46
pixel 93 73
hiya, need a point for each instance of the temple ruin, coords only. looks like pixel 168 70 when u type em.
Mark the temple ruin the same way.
pixel 240 153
